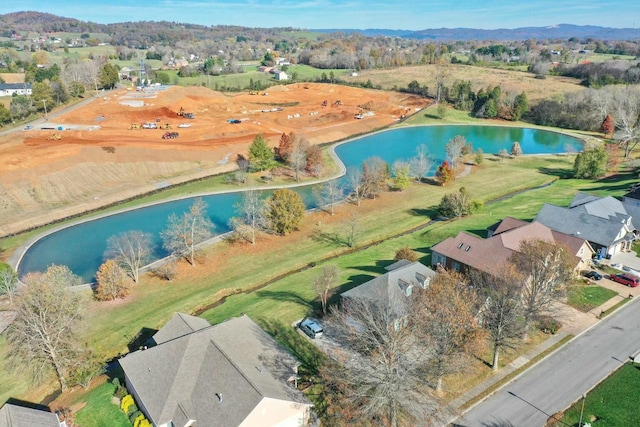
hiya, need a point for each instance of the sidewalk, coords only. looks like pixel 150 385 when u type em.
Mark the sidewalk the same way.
pixel 571 327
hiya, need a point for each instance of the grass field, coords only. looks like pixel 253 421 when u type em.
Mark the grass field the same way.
pixel 99 410
pixel 586 297
pixel 480 77
pixel 111 327
pixel 613 403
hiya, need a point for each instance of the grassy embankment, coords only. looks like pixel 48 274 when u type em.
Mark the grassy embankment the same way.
pixel 612 403
pixel 227 268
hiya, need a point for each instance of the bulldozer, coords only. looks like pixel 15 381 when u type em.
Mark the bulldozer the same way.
pixel 55 136
pixel 135 126
pixel 165 126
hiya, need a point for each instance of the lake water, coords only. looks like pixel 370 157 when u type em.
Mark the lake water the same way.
pixel 81 247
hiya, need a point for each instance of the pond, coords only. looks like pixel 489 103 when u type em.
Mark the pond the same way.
pixel 81 246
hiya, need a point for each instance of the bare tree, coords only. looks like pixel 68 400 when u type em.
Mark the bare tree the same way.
pixel 351 225
pixel 442 73
pixel 328 195
pixel 184 233
pixel 298 156
pixel 446 312
pixel 354 184
pixel 627 118
pixel 375 173
pixel 383 372
pixel 43 335
pixel 324 283
pixel 454 148
pixel 252 216
pixel 421 164
pixel 545 268
pixel 8 282
pixel 131 251
pixel 502 311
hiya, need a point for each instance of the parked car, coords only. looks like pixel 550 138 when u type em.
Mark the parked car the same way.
pixel 592 275
pixel 311 328
pixel 625 279
pixel 28 127
pixel 184 125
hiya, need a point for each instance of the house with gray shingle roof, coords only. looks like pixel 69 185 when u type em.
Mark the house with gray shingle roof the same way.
pixel 230 374
pixel 10 89
pixel 394 288
pixel 12 415
pixel 603 221
pixel 467 251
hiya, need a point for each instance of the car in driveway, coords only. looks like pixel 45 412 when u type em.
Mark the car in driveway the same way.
pixel 594 275
pixel 311 328
pixel 625 279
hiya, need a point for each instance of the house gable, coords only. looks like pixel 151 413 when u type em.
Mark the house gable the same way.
pixel 20 416
pixel 212 376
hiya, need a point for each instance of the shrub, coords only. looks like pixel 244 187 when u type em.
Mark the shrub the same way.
pixel 406 253
pixel 549 325
pixel 134 416
pixel 516 150
pixel 126 403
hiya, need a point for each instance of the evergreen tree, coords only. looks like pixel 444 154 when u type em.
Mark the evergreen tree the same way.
pixel 260 154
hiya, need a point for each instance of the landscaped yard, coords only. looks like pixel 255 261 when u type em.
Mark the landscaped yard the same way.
pixel 100 411
pixel 613 403
pixel 257 277
pixel 586 297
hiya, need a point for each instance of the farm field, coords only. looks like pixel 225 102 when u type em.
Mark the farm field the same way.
pixel 480 77
pixel 99 159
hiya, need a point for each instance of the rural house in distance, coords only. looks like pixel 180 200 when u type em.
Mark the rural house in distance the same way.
pixel 228 375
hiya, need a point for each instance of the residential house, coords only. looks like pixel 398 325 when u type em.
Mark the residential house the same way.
pixel 230 374
pixel 603 221
pixel 9 89
pixel 394 288
pixel 12 415
pixel 281 75
pixel 467 251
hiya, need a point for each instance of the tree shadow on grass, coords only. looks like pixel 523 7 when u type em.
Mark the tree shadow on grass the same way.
pixel 562 173
pixel 430 212
pixel 284 296
pixel 297 345
pixel 328 238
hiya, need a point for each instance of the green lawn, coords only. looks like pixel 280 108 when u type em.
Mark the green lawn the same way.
pixel 100 411
pixel 230 270
pixel 586 297
pixel 613 403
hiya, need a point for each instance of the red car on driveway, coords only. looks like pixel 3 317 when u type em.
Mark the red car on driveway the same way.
pixel 625 279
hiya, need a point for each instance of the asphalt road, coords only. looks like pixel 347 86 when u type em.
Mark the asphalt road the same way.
pixel 556 382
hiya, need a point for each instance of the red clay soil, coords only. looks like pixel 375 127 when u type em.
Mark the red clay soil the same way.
pixel 100 159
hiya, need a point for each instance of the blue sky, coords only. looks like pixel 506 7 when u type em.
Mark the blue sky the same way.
pixel 359 14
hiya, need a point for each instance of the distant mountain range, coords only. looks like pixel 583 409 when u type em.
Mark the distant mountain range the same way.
pixel 45 22
pixel 561 31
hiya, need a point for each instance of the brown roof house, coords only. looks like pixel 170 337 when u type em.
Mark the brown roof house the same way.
pixel 230 374
pixel 394 288
pixel 12 415
pixel 466 250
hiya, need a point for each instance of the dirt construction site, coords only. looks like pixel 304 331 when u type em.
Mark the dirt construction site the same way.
pixel 112 147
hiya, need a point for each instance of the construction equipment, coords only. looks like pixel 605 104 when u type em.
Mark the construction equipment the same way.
pixel 55 136
pixel 165 126
pixel 186 115
pixel 135 126
pixel 338 102
pixel 170 135
pixel 324 103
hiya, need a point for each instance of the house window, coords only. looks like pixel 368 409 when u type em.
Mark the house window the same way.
pixel 455 266
pixel 408 291
pixel 460 245
pixel 467 249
